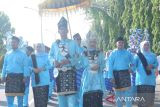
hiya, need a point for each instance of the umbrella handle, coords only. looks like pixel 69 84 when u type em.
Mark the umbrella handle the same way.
pixel 68 22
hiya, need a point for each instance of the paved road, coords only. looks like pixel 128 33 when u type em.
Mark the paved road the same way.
pixel 54 103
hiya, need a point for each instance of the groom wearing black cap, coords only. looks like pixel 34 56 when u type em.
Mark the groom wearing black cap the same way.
pixel 62 56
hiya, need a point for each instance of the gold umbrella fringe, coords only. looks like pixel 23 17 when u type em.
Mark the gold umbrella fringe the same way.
pixel 59 6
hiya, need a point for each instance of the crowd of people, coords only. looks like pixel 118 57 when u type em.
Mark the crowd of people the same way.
pixel 80 75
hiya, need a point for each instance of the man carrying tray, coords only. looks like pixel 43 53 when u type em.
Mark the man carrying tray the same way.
pixel 119 71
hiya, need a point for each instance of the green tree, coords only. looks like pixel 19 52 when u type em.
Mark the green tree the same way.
pixel 107 23
pixel 156 26
pixel 119 16
pixel 118 6
pixel 99 14
pixel 135 13
pixel 5 26
pixel 127 18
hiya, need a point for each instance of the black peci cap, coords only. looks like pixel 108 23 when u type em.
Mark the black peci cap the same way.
pixel 120 38
pixel 62 23
pixel 15 38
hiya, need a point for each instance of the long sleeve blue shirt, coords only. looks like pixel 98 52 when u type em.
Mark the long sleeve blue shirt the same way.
pixel 141 77
pixel 94 81
pixel 80 59
pixel 58 53
pixel 15 61
pixel 120 60
pixel 42 62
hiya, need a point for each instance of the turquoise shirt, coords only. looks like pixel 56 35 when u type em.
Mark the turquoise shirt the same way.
pixel 120 60
pixel 61 48
pixel 141 77
pixel 94 81
pixel 42 61
pixel 81 61
pixel 15 61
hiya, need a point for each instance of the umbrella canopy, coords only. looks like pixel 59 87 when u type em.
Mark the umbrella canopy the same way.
pixel 62 5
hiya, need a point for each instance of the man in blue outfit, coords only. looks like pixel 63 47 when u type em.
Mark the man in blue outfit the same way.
pixel 29 51
pixel 15 68
pixel 80 66
pixel 62 55
pixel 119 71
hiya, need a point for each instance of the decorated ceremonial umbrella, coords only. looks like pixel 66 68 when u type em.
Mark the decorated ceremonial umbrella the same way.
pixel 63 6
pixel 136 37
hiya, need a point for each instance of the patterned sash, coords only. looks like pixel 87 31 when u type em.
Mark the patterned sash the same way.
pixel 144 62
pixel 109 84
pixel 41 96
pixel 15 85
pixel 79 74
pixel 66 82
pixel 93 99
pixel 122 79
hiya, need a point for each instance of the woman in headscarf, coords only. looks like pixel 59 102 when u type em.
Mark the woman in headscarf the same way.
pixel 146 63
pixel 40 76
pixel 93 84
